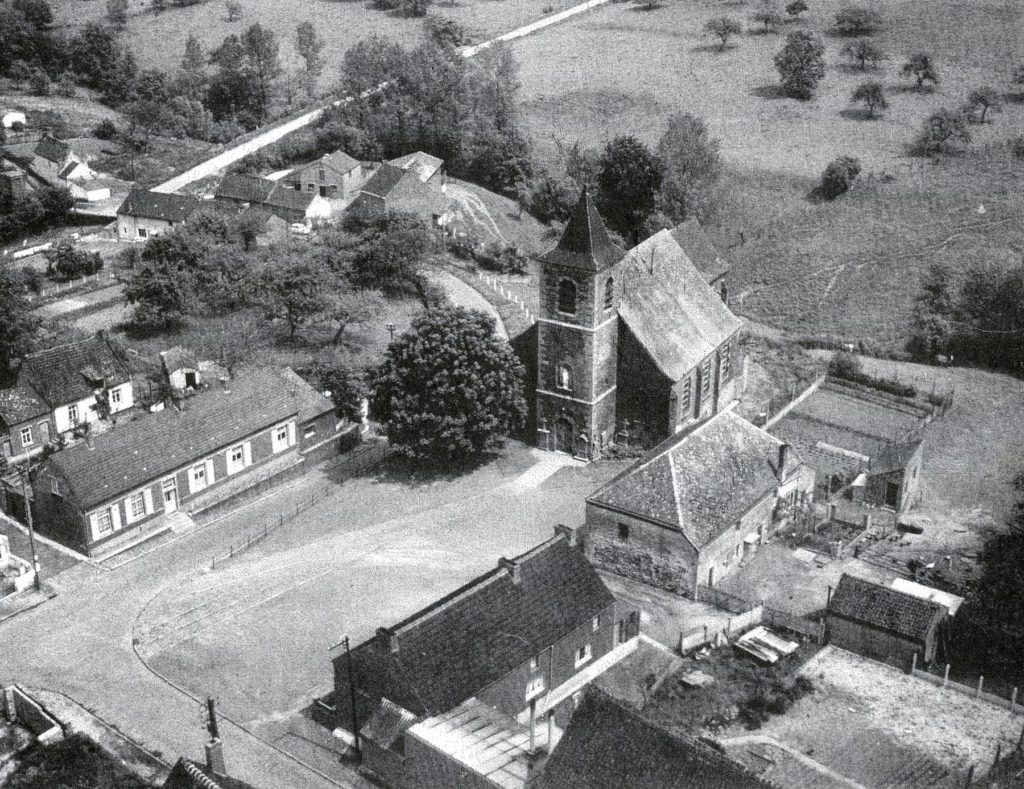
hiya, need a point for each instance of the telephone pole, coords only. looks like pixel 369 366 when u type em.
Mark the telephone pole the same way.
pixel 23 473
pixel 352 697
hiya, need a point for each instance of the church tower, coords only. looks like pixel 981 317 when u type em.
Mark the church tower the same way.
pixel 577 332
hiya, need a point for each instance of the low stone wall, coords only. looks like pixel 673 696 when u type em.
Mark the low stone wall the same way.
pixel 26 711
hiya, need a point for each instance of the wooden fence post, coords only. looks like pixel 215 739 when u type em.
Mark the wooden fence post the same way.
pixel 981 681
pixel 913 664
pixel 1013 699
pixel 945 676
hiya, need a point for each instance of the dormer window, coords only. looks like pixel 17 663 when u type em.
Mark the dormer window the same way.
pixel 567 296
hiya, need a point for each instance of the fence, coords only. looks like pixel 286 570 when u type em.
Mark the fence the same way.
pixel 700 636
pixel 794 623
pixel 724 600
pixel 975 692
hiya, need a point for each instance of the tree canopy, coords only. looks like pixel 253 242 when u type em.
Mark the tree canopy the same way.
pixel 628 182
pixel 691 164
pixel 17 329
pixel 801 64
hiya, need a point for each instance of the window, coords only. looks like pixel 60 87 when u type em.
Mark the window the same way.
pixel 279 438
pixel 55 486
pixel 535 663
pixel 705 379
pixel 567 296
pixel 323 175
pixel 310 187
pixel 73 414
pixel 583 655
pixel 595 623
pixel 563 377
pixel 115 397
pixel 309 431
pixel 137 505
pixel 623 531
pixel 534 687
pixel 686 401
pixel 609 293
pixel 104 521
pixel 197 478
pixel 142 232
pixel 724 368
pixel 26 436
pixel 237 459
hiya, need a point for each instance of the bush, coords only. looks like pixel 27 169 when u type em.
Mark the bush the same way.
pixel 105 130
pixel 838 177
pixel 856 20
pixel 66 86
pixel 39 84
pixel 846 367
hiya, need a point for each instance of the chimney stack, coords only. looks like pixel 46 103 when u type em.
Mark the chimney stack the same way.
pixel 513 568
pixel 568 532
pixel 390 637
pixel 783 454
pixel 215 757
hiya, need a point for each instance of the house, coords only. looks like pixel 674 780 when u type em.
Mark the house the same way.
pixel 862 443
pixel 188 774
pixel 113 490
pixel 702 253
pixel 12 118
pixel 629 345
pixel 297 207
pixel 242 191
pixel 185 372
pixel 394 190
pixel 422 165
pixel 523 639
pixel 24 422
pixel 81 382
pixel 90 190
pixel 610 747
pixel 52 157
pixel 75 171
pixel 145 213
pixel 334 176
pixel 688 512
pixel 268 227
pixel 883 623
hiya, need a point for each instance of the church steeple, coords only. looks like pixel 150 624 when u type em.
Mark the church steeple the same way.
pixel 584 244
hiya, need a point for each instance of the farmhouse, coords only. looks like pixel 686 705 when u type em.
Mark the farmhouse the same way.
pixel 883 623
pixel 24 422
pixel 114 490
pixel 695 506
pixel 334 176
pixel 422 165
pixel 863 444
pixel 297 207
pixel 144 214
pixel 522 639
pixel 629 344
pixel 241 191
pixel 394 190
pixel 54 161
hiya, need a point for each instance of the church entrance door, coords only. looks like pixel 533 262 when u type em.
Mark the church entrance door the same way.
pixel 564 435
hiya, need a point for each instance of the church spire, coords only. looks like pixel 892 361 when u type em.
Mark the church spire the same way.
pixel 584 243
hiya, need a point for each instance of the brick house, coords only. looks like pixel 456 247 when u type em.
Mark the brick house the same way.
pixel 394 190
pixel 883 623
pixel 81 382
pixel 523 639
pixel 335 176
pixel 24 422
pixel 695 506
pixel 113 490
pixel 144 214
pixel 630 344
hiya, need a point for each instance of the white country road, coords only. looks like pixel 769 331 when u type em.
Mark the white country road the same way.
pixel 226 158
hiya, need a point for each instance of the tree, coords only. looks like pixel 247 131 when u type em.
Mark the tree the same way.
pixel 296 293
pixel 162 288
pixel 309 46
pixel 872 96
pixel 932 315
pixel 838 177
pixel 1017 76
pixel 920 66
pixel 723 28
pixel 17 329
pixel 36 12
pixel 691 164
pixel 67 262
pixel 234 9
pixel 117 12
pixel 550 198
pixel 796 8
pixel 769 16
pixel 857 20
pixel 415 7
pixel 158 5
pixel 262 54
pixel 192 78
pixel 986 99
pixel 943 130
pixel 801 64
pixel 234 92
pixel 864 53
pixel 390 260
pixel 628 184
pixel 449 389
pixel 446 33
pixel 990 316
pixel 347 308
pixel 345 386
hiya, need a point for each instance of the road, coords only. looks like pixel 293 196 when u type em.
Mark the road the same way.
pixel 465 296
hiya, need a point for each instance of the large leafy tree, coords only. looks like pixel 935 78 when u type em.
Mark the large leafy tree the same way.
pixel 628 184
pixel 932 315
pixel 801 64
pixel 449 389
pixel 296 293
pixel 17 324
pixel 310 47
pixel 691 162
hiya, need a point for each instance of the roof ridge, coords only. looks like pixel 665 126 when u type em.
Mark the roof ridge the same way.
pixel 675 491
pixel 536 549
pixel 448 600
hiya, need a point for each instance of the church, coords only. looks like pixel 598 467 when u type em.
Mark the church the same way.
pixel 630 345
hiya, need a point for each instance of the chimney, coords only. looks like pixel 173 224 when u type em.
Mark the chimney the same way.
pixel 783 454
pixel 215 757
pixel 568 532
pixel 513 568
pixel 390 637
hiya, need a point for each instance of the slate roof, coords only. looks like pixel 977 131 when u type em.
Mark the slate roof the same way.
pixel 467 640
pixel 124 459
pixel 188 774
pixel 244 188
pixel 338 161
pixel 607 746
pixel 20 403
pixel 73 372
pixel 282 196
pixel 702 481
pixel 584 243
pixel 885 608
pixel 311 402
pixel 422 165
pixel 52 149
pixel 669 307
pixel 145 204
pixel 383 181
pixel 407 194
pixel 699 249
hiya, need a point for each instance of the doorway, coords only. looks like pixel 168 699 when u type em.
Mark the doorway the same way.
pixel 170 490
pixel 892 494
pixel 564 435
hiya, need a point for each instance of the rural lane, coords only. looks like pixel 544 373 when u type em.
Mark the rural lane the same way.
pixel 227 158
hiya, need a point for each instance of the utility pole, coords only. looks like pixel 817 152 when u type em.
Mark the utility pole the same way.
pixel 23 473
pixel 211 723
pixel 352 697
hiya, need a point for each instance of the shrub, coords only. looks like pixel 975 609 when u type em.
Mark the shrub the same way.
pixel 39 84
pixel 857 20
pixel 945 130
pixel 838 177
pixel 846 367
pixel 105 130
pixel 796 8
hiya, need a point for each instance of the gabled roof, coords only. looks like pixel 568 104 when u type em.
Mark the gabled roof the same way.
pixel 188 774
pixel 887 609
pixel 20 403
pixel 675 315
pixel 699 249
pixel 52 149
pixel 383 181
pixel 421 164
pixel 404 193
pixel 244 188
pixel 584 243
pixel 465 641
pixel 145 204
pixel 124 459
pixel 607 746
pixel 284 197
pixel 702 481
pixel 73 372
pixel 339 161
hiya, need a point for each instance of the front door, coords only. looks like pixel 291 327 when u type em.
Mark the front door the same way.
pixel 892 494
pixel 170 489
pixel 564 435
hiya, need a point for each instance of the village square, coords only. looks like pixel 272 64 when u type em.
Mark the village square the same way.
pixel 507 393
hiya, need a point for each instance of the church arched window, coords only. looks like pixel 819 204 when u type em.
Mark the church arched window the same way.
pixel 563 377
pixel 609 293
pixel 567 296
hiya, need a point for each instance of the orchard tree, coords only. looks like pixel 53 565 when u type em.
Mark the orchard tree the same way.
pixel 296 293
pixel 768 15
pixel 922 69
pixel 801 64
pixel 310 46
pixel 449 389
pixel 796 8
pixel 346 308
pixel 872 96
pixel 18 327
pixel 932 315
pixel 723 28
pixel 838 177
pixel 864 53
pixel 944 130
pixel 691 164
pixel 984 99
pixel 857 20
pixel 627 185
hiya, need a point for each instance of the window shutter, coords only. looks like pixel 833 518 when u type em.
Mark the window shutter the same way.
pixel 209 472
pixel 94 524
pixel 227 461
pixel 128 516
pixel 147 498
pixel 192 480
pixel 115 516
pixel 247 453
pixel 291 434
